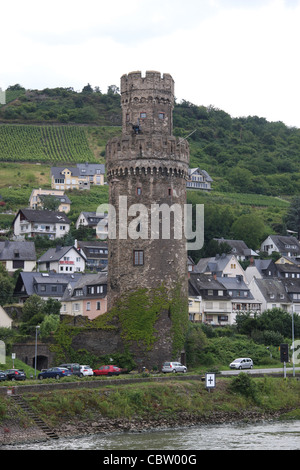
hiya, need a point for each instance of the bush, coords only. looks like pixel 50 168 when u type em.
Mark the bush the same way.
pixel 245 385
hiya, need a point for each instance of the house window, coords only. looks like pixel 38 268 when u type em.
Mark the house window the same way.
pixel 138 257
pixel 88 305
pixel 98 306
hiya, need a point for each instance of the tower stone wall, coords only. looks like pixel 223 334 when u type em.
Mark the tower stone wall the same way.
pixel 147 166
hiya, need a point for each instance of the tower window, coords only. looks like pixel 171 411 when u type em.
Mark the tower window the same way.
pixel 170 192
pixel 143 115
pixel 161 115
pixel 138 257
pixel 138 191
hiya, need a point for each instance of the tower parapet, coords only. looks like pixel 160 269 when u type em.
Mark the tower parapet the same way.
pixel 147 103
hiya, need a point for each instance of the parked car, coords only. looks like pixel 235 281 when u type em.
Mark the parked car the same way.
pixel 86 370
pixel 173 367
pixel 107 370
pixel 241 363
pixel 74 368
pixel 54 373
pixel 15 374
pixel 2 375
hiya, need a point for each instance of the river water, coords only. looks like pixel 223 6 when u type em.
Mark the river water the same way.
pixel 269 435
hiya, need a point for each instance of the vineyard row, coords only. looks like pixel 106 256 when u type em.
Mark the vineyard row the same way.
pixel 44 144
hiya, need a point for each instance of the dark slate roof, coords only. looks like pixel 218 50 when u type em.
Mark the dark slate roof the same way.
pixel 84 281
pixel 199 283
pixel 90 169
pixel 53 217
pixel 284 243
pixel 214 264
pixel 24 250
pixel 238 247
pixel 273 287
pixel 236 284
pixel 61 197
pixel 29 280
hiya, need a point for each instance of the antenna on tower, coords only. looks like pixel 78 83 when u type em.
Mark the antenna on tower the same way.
pixel 181 140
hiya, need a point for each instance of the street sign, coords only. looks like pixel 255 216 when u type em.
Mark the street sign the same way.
pixel 210 379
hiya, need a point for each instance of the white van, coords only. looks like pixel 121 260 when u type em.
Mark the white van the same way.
pixel 242 363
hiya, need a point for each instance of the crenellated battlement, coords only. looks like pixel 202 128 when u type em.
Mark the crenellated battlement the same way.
pixel 152 81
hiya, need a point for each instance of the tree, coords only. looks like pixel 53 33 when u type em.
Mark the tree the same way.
pixel 7 285
pixel 87 89
pixel 292 217
pixel 50 203
pixel 250 228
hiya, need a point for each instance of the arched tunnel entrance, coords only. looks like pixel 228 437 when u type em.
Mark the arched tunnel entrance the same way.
pixel 41 362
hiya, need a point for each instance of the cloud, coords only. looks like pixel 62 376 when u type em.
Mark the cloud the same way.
pixel 240 56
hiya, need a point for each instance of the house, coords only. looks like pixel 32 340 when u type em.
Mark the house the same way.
pixel 242 299
pixel 62 259
pixel 198 179
pixel 95 253
pixel 271 293
pixel 37 195
pixel 221 265
pixel 285 245
pixel 18 255
pixel 87 297
pixel 5 320
pixel 209 301
pixel 261 268
pixel 31 223
pixel 292 287
pixel 46 285
pixel 94 220
pixel 80 177
pixel 238 248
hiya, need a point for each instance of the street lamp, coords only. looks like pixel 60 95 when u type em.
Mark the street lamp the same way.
pixel 35 355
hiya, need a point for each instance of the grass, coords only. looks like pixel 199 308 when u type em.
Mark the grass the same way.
pixel 161 400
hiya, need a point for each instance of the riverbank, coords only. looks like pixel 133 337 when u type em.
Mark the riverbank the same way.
pixel 145 407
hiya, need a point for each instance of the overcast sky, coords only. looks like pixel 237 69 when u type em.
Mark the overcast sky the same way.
pixel 241 56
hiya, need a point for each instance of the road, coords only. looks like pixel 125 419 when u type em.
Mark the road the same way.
pixel 289 371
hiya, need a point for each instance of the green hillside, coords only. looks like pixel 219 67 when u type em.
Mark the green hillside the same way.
pixel 242 155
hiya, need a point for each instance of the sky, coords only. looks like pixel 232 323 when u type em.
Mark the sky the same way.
pixel 240 56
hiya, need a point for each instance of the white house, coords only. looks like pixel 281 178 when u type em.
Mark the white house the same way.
pixel 198 179
pixel 18 255
pixel 221 265
pixel 30 222
pixel 94 220
pixel 271 293
pixel 285 245
pixel 62 259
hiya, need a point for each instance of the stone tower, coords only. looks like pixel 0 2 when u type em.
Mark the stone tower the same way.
pixel 147 169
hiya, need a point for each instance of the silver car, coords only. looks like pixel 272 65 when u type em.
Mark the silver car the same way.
pixel 242 363
pixel 173 367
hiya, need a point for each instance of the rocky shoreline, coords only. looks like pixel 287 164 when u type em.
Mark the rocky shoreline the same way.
pixel 14 433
